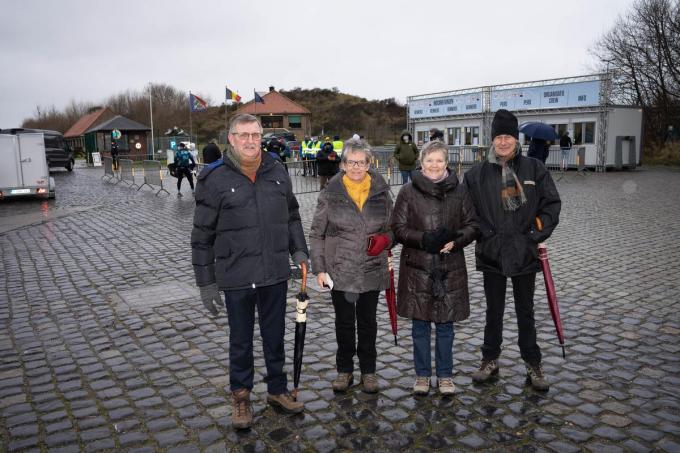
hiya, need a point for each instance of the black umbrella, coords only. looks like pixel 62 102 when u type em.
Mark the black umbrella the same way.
pixel 300 329
pixel 536 129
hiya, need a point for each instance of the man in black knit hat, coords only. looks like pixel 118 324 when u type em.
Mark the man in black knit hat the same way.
pixel 510 192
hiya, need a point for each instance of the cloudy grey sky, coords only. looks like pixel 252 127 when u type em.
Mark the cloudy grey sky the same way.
pixel 86 50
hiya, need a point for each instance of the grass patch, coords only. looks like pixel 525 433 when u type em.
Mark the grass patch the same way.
pixel 668 154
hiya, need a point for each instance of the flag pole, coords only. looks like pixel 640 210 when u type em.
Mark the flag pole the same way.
pixel 153 152
pixel 190 131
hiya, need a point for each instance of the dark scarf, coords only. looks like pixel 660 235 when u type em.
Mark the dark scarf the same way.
pixel 512 194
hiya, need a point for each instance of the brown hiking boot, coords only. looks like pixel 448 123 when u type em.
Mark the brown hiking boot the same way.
pixel 286 402
pixel 369 381
pixel 342 382
pixel 487 369
pixel 241 412
pixel 537 378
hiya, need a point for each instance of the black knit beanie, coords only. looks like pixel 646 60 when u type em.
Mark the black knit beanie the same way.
pixel 504 123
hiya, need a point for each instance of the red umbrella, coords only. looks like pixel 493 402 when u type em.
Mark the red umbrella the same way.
pixel 391 298
pixel 550 289
pixel 300 329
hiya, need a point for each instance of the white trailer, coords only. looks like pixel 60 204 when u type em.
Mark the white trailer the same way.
pixel 24 171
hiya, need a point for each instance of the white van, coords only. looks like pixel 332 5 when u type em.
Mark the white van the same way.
pixel 24 170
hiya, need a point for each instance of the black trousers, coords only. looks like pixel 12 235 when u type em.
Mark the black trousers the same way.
pixel 184 172
pixel 523 290
pixel 350 319
pixel 271 312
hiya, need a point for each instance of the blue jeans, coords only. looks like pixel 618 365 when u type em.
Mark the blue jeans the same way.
pixel 443 348
pixel 271 310
pixel 405 176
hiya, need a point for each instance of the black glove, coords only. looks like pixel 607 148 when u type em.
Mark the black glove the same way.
pixel 434 241
pixel 210 296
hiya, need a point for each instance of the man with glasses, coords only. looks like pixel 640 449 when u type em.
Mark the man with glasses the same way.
pixel 246 224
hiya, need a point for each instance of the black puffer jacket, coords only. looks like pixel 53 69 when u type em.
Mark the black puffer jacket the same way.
pixel 508 241
pixel 327 160
pixel 426 206
pixel 339 235
pixel 244 232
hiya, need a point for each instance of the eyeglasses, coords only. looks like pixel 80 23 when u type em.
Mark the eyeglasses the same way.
pixel 357 163
pixel 243 136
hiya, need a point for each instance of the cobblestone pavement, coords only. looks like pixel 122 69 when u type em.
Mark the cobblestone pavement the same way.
pixel 105 346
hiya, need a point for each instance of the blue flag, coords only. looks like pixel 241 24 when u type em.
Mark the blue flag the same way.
pixel 197 104
pixel 258 99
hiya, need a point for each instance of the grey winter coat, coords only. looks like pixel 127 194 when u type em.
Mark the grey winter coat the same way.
pixel 244 232
pixel 339 236
pixel 425 206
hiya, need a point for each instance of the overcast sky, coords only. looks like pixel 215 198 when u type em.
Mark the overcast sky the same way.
pixel 84 50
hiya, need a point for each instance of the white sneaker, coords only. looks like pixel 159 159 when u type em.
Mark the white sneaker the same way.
pixel 421 386
pixel 446 386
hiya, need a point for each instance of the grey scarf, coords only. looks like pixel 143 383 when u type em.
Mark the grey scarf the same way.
pixel 512 193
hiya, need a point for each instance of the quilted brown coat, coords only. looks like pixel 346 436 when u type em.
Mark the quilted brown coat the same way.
pixel 425 206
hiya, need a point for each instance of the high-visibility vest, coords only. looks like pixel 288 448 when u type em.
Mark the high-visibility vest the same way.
pixel 337 147
pixel 308 148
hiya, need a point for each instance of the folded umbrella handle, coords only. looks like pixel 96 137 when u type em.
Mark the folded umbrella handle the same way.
pixel 303 267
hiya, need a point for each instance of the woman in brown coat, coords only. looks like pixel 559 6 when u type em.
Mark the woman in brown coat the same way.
pixel 434 219
pixel 356 205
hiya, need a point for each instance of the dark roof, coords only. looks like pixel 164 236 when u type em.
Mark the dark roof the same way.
pixel 121 123
pixel 87 121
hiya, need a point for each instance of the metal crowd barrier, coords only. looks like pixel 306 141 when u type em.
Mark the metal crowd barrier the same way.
pixel 127 172
pixel 152 171
pixel 154 175
pixel 108 170
pixel 560 162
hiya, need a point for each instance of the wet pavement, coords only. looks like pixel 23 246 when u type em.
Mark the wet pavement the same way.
pixel 105 346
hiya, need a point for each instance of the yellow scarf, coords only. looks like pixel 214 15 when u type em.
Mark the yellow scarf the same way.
pixel 358 191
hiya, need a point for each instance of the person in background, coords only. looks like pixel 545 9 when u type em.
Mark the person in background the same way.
pixel 406 155
pixel 350 238
pixel 211 152
pixel 246 228
pixel 565 147
pixel 114 154
pixel 276 149
pixel 538 149
pixel 509 192
pixel 185 164
pixel 327 162
pixel 337 145
pixel 436 134
pixel 434 219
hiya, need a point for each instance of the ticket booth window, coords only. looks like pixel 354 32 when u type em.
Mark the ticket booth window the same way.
pixel 584 133
pixel 472 135
pixel 453 136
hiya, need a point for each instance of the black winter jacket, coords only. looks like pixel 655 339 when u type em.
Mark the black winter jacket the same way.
pixel 244 232
pixel 327 161
pixel 508 241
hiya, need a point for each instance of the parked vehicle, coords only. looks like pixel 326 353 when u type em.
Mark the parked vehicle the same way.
pixel 24 171
pixel 58 152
